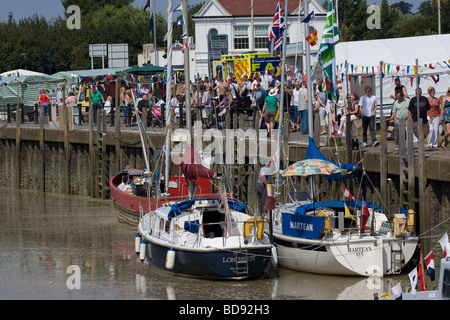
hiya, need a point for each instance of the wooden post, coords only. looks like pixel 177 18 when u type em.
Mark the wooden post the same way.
pixel 91 151
pixel 18 140
pixel 63 117
pixel 42 149
pixel 411 179
pixel 118 115
pixel 383 164
pixel 424 217
pixel 317 128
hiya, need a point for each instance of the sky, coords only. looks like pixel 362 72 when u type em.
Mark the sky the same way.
pixel 53 8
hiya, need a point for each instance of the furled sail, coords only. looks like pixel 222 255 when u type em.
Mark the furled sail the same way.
pixel 192 168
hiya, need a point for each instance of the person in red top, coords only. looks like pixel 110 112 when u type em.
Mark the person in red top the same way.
pixel 44 101
pixel 433 118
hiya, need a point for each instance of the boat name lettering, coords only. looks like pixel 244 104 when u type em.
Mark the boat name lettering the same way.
pixel 359 250
pixel 301 226
pixel 235 259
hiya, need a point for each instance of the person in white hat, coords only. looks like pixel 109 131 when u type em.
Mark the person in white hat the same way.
pixel 270 108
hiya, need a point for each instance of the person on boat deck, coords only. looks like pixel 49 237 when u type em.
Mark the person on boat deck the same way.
pixel 264 178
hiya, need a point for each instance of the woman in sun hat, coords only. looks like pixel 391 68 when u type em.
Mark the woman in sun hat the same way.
pixel 270 108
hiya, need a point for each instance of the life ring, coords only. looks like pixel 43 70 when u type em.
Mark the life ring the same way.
pixel 248 225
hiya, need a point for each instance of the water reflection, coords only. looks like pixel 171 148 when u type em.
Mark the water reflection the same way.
pixel 41 235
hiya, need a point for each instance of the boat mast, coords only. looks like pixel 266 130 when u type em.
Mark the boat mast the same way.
pixel 308 74
pixel 283 95
pixel 168 96
pixel 187 82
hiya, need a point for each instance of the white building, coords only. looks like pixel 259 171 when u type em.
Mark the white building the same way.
pixel 234 18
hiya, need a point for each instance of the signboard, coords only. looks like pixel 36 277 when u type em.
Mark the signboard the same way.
pixel 97 50
pixel 118 55
pixel 264 64
pixel 302 226
pixel 218 45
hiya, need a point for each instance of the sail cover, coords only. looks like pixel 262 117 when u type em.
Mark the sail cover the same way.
pixel 348 170
pixel 192 168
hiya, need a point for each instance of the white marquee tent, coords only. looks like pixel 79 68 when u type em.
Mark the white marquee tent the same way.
pixel 397 58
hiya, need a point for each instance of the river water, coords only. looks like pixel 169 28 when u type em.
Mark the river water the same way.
pixel 45 237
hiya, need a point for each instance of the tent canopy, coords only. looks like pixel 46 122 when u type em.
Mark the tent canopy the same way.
pixel 24 86
pixel 403 52
pixel 147 69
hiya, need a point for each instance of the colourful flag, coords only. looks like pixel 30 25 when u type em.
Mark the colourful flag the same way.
pixel 413 280
pixel 385 295
pixel 181 22
pixel 276 31
pixel 347 213
pixel 430 265
pixel 421 275
pixel 365 216
pixel 347 193
pixel 309 17
pixel 443 242
pixel 335 128
pixel 397 291
pixel 150 24
pixel 147 5
pixel 178 9
pixel 313 38
pixel 327 59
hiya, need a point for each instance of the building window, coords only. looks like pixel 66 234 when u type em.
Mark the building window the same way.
pixel 241 40
pixel 261 37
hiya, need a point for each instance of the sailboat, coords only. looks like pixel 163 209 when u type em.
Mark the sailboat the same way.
pixel 339 237
pixel 208 236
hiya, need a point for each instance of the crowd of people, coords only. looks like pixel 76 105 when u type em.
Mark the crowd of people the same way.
pixel 211 101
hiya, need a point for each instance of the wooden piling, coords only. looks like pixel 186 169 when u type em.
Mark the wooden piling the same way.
pixel 383 165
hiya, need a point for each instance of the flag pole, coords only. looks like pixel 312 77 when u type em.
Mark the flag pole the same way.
pixel 168 95
pixel 154 34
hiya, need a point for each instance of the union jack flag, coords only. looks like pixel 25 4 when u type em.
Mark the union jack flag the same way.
pixel 276 31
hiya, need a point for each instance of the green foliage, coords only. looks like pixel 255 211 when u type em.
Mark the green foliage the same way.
pixel 396 20
pixel 110 22
pixel 353 20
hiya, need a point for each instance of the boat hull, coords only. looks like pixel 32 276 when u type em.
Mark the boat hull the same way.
pixel 358 257
pixel 232 263
pixel 128 205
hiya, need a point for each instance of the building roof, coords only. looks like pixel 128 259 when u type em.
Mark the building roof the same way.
pixel 261 7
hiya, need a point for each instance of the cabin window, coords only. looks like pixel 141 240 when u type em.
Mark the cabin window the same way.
pixel 161 224
pixel 241 40
pixel 167 225
pixel 212 226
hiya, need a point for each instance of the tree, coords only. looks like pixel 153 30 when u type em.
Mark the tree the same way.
pixel 353 20
pixel 403 6
pixel 389 18
pixel 425 8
